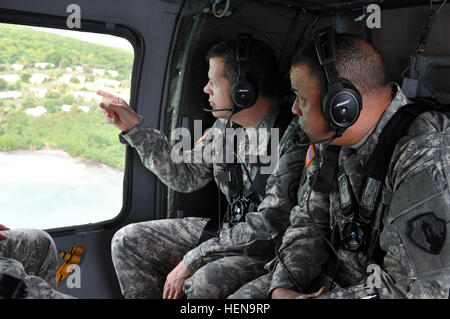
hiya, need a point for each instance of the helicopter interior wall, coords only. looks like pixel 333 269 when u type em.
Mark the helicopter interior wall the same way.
pixel 398 38
pixel 280 27
pixel 403 27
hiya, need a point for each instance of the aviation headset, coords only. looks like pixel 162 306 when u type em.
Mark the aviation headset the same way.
pixel 341 100
pixel 244 92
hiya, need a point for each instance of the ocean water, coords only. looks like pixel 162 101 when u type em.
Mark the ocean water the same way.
pixel 49 189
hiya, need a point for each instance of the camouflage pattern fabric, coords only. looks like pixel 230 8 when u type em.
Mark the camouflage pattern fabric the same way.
pixel 416 186
pixel 30 255
pixel 144 253
pixel 194 172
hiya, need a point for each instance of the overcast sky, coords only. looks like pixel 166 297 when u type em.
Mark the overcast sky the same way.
pixel 96 38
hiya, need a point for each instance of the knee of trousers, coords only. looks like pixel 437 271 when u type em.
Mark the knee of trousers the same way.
pixel 123 239
pixel 46 239
pixel 36 238
pixel 37 235
pixel 117 242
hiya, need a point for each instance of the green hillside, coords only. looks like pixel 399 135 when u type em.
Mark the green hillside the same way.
pixel 80 133
pixel 28 46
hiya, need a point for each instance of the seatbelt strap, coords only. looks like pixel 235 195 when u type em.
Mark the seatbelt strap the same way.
pixel 328 169
pixel 232 176
pixel 209 231
pixel 259 181
pixel 378 165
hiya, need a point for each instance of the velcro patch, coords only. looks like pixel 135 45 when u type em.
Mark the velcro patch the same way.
pixel 428 232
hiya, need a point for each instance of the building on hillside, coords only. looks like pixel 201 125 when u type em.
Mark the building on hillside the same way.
pixel 113 73
pixel 87 96
pixel 107 82
pixel 17 67
pixel 36 111
pixel 84 108
pixel 10 78
pixel 38 92
pixel 81 78
pixel 98 72
pixel 38 78
pixel 10 95
pixel 43 65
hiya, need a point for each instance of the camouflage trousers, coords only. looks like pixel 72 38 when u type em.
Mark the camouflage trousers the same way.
pixel 30 255
pixel 145 253
pixel 260 289
pixel 255 289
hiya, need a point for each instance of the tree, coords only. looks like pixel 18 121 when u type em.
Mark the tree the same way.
pixel 54 57
pixel 25 77
pixel 3 85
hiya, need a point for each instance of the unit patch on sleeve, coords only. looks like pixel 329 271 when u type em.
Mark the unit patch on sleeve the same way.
pixel 310 154
pixel 428 232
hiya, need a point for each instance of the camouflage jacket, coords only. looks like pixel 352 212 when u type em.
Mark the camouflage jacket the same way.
pixel 416 187
pixel 258 234
pixel 189 169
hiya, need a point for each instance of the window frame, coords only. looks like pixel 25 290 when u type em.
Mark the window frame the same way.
pixel 8 16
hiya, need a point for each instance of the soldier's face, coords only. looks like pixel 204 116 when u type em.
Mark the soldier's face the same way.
pixel 308 105
pixel 218 88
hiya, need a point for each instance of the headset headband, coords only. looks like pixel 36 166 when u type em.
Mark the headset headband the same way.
pixel 244 92
pixel 324 44
pixel 341 100
pixel 242 52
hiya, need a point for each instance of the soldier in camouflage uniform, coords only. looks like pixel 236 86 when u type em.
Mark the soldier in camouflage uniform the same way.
pixel 413 213
pixel 145 254
pixel 30 255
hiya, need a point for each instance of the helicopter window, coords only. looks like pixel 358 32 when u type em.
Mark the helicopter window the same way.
pixel 60 163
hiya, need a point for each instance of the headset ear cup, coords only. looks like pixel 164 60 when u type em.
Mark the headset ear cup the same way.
pixel 244 94
pixel 341 105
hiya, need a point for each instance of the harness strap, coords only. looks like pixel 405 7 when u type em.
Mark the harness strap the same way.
pixel 378 164
pixel 244 195
pixel 362 211
pixel 328 169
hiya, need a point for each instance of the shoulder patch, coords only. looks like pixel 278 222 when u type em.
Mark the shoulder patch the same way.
pixel 310 154
pixel 428 232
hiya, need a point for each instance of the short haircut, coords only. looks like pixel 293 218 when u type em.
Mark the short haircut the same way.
pixel 262 65
pixel 356 60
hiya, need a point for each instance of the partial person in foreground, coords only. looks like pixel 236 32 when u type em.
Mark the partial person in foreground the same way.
pixel 28 263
